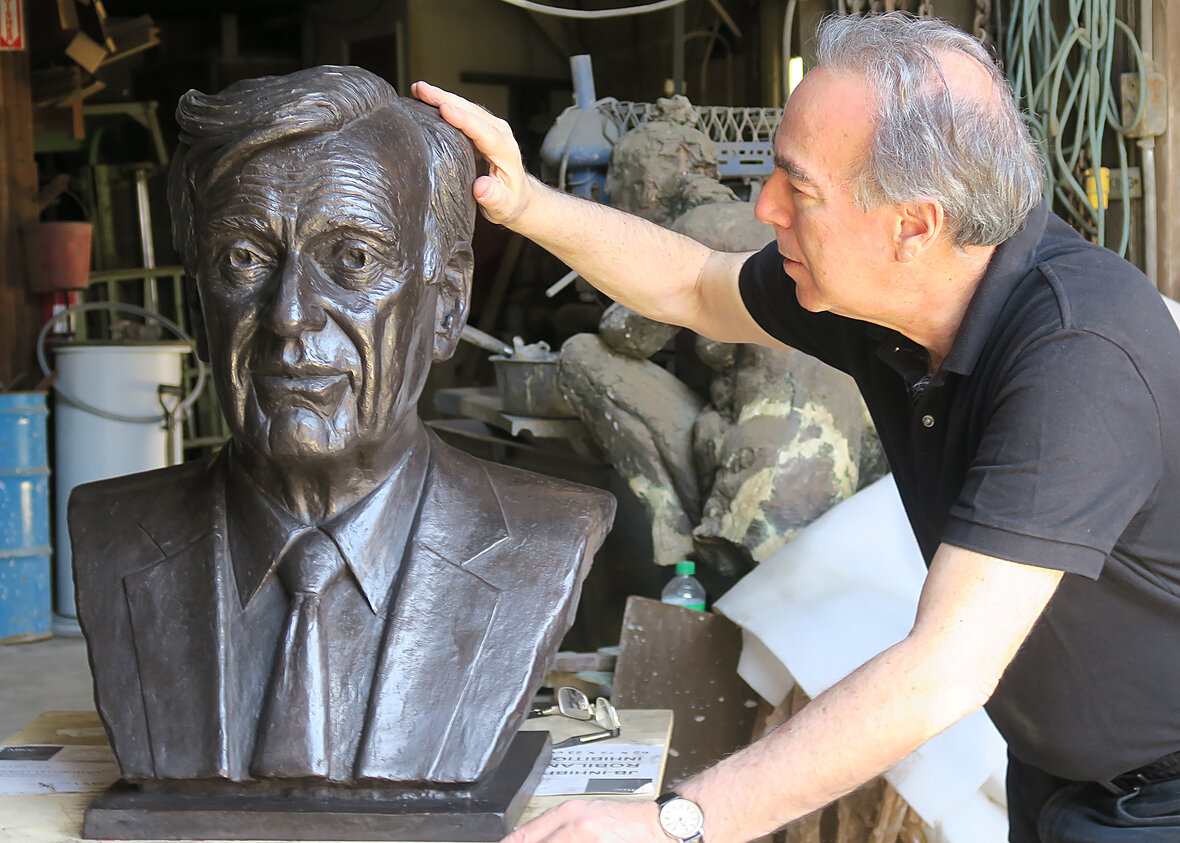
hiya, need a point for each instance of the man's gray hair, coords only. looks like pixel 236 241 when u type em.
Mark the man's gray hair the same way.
pixel 218 131
pixel 974 157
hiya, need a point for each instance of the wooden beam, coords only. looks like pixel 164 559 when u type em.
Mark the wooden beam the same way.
pixel 19 313
pixel 1167 151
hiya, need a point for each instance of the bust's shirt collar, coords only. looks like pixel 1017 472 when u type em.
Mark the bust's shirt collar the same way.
pixel 371 535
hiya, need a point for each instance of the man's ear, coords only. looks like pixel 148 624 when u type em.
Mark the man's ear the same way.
pixel 453 286
pixel 919 225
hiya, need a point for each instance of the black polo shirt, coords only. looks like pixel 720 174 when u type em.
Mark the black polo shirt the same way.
pixel 1050 436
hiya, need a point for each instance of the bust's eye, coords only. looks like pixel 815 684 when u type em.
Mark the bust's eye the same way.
pixel 354 257
pixel 240 257
pixel 354 263
pixel 244 263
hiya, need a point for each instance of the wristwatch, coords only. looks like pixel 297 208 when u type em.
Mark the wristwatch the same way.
pixel 681 818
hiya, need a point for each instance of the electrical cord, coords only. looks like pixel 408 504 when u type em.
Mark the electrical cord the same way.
pixel 1060 59
pixel 582 14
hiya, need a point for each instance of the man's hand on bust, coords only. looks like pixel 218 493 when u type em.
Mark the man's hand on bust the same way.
pixel 504 192
pixel 592 821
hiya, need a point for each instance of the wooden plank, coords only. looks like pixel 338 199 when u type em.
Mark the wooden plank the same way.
pixel 1167 31
pixel 676 658
pixel 19 314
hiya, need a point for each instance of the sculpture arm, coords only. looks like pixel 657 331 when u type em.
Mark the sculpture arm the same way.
pixel 974 613
pixel 655 272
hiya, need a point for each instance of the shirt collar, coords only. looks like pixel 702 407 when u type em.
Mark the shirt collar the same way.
pixel 371 535
pixel 1008 266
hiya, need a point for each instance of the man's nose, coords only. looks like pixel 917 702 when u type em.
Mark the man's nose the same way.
pixel 771 207
pixel 295 308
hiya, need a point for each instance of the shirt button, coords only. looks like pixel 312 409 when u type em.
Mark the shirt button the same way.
pixel 927 421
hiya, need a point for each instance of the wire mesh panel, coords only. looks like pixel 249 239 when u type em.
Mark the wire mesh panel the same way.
pixel 744 136
pixel 723 124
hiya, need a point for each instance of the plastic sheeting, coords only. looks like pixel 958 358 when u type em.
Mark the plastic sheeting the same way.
pixel 842 591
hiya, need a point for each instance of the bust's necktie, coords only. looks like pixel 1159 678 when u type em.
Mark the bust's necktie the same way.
pixel 293 729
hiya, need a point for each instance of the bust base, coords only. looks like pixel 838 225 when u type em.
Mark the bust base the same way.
pixel 276 810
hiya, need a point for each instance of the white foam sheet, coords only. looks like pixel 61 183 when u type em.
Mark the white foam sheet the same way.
pixel 842 591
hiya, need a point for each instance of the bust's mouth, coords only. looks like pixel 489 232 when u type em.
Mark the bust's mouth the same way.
pixel 319 388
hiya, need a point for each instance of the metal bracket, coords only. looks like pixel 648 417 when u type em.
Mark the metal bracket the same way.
pixel 1155 110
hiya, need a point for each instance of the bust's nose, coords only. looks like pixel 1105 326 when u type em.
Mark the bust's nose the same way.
pixel 295 308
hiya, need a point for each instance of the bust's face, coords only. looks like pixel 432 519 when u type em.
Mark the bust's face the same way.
pixel 320 322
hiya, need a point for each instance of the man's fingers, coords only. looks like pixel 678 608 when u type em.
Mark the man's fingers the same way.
pixel 491 134
pixel 440 98
pixel 592 822
pixel 501 192
pixel 537 829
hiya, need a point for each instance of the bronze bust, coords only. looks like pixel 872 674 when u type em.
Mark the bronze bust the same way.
pixel 337 596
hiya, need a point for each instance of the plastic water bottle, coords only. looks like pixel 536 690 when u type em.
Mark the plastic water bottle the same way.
pixel 684 589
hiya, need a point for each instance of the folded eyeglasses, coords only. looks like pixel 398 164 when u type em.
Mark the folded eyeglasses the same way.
pixel 576 705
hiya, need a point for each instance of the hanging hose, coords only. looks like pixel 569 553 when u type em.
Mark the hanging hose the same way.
pixel 167 412
pixel 1059 63
pixel 580 14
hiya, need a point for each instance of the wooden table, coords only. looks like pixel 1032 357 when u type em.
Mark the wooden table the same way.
pixel 57 817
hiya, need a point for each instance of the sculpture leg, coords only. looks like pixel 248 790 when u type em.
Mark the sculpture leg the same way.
pixel 642 417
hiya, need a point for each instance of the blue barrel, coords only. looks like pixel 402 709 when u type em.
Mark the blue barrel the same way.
pixel 25 590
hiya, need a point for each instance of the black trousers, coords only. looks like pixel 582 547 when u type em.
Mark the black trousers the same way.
pixel 1043 808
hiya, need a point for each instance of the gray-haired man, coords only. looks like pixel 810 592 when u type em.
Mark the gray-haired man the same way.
pixel 1023 383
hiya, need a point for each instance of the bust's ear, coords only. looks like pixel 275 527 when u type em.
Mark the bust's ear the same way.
pixel 453 285
pixel 196 317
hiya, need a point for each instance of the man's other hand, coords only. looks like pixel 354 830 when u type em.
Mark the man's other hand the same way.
pixel 594 821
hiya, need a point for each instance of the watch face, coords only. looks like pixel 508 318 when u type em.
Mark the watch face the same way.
pixel 681 818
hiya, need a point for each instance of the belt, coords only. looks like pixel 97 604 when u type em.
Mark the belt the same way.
pixel 1161 770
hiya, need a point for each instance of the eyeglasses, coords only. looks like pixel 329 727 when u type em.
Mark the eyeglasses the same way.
pixel 576 705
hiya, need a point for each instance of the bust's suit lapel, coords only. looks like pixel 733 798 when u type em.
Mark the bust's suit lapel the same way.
pixel 204 660
pixel 175 609
pixel 424 677
pixel 174 615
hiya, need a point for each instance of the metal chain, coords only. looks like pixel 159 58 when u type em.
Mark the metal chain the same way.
pixel 983 19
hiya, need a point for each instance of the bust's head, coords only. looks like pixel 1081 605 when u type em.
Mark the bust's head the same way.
pixel 327 223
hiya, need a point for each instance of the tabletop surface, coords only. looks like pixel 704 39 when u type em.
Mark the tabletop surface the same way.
pixel 57 817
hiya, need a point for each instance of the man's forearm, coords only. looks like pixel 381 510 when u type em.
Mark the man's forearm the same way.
pixel 974 613
pixel 853 732
pixel 649 269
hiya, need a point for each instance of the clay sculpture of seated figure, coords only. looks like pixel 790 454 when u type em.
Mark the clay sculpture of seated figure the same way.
pixel 335 598
pixel 727 473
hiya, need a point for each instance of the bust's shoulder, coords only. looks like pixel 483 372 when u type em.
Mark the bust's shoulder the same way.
pixel 525 494
pixel 152 489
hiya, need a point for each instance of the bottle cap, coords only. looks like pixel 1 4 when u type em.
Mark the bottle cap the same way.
pixel 686 568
